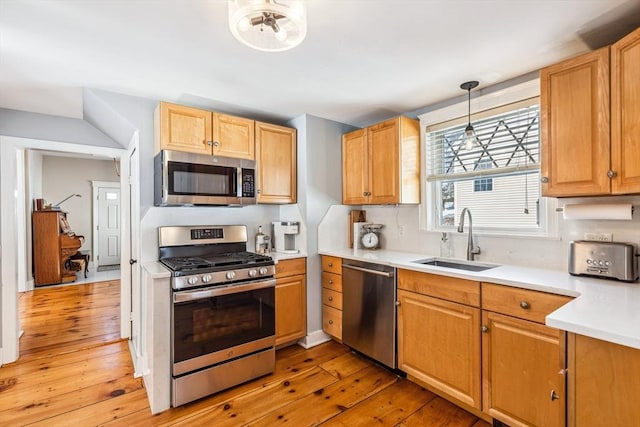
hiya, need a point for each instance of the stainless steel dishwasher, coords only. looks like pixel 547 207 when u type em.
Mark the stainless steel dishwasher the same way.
pixel 369 310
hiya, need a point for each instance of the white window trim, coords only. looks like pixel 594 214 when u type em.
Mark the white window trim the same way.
pixel 496 99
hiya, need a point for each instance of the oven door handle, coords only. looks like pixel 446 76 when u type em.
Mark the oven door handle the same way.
pixel 222 290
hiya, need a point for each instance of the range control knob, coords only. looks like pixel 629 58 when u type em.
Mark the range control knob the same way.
pixel 206 278
pixel 231 275
pixel 263 271
pixel 253 272
pixel 192 280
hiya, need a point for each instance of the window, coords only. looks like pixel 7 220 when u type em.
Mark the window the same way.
pixel 483 184
pixel 498 180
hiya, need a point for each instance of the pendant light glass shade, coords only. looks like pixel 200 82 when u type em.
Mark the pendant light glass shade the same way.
pixel 268 25
pixel 470 141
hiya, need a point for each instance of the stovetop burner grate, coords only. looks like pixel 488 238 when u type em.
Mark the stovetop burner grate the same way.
pixel 214 261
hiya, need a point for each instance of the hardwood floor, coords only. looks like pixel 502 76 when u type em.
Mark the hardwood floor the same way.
pixel 74 371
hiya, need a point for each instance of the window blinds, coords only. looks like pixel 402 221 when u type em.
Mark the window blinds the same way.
pixel 508 142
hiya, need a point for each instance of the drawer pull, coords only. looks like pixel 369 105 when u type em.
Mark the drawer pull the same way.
pixel 331 281
pixel 484 329
pixel 525 305
pixel 554 395
pixel 330 322
pixel 330 298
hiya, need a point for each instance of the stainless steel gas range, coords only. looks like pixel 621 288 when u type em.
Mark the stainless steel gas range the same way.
pixel 223 311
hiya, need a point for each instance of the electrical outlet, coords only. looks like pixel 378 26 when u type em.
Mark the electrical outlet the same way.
pixel 599 237
pixel 401 230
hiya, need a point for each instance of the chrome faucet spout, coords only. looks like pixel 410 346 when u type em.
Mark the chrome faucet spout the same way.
pixel 471 250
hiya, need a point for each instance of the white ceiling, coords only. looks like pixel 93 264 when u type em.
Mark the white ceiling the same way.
pixel 362 60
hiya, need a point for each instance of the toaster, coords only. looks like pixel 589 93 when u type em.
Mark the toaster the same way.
pixel 606 260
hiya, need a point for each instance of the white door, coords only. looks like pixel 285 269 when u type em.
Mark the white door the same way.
pixel 108 226
pixel 137 316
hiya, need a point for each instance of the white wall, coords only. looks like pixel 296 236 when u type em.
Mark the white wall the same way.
pixel 319 187
pixel 549 253
pixel 63 176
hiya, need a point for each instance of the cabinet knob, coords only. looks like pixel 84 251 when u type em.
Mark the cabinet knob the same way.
pixel 397 303
pixel 525 305
pixel 554 395
pixel 209 143
pixel 544 179
pixel 330 298
pixel 216 143
pixel 330 280
pixel 330 264
pixel 330 322
pixel 612 174
pixel 563 371
pixel 484 329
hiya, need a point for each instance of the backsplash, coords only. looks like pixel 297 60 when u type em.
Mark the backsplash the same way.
pixel 402 233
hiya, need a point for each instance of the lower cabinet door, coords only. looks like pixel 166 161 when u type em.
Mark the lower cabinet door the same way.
pixel 291 308
pixel 439 344
pixel 523 379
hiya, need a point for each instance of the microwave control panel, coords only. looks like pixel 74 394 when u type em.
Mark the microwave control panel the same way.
pixel 248 183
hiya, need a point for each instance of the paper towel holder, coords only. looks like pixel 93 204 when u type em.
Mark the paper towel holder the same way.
pixel 633 208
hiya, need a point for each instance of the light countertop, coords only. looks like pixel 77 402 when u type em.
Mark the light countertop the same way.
pixel 603 309
pixel 277 256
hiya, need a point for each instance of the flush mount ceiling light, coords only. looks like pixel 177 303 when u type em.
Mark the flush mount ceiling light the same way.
pixel 268 25
pixel 470 140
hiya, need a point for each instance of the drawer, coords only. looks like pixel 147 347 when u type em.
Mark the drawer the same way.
pixel 332 264
pixel 332 321
pixel 332 298
pixel 450 288
pixel 522 303
pixel 332 281
pixel 291 267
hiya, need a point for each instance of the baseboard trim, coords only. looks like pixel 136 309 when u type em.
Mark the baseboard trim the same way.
pixel 313 339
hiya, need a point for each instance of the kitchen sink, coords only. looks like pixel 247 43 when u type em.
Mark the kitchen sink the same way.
pixel 454 264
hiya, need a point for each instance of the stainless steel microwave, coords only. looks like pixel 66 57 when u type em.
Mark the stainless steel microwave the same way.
pixel 187 179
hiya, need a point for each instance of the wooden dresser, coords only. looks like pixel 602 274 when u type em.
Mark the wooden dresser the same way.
pixel 52 248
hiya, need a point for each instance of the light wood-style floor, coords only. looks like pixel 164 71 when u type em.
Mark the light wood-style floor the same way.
pixel 74 371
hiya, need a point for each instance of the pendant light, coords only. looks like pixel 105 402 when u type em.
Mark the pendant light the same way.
pixel 470 140
pixel 268 25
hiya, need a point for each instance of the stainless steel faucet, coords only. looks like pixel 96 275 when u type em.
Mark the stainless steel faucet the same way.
pixel 471 250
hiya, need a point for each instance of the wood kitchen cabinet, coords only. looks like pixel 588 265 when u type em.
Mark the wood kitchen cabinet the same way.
pixel 523 361
pixel 291 300
pixel 276 164
pixel 439 334
pixel 332 296
pixel 603 383
pixel 381 163
pixel 590 115
pixel 193 130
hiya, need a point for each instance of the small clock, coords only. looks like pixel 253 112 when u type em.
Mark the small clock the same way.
pixel 370 239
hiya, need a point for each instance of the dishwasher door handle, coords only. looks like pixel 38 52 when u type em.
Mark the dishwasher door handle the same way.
pixel 366 270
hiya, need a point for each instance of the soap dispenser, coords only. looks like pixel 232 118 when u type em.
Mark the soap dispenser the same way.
pixel 445 246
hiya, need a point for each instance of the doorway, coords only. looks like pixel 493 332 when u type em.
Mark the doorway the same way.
pixel 14 236
pixel 106 225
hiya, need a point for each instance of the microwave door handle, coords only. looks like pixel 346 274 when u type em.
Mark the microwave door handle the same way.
pixel 237 183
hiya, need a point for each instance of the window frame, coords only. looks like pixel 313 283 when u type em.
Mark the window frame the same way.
pixel 428 210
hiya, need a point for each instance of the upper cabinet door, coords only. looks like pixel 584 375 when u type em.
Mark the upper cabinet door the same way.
pixel 355 168
pixel 276 163
pixel 183 129
pixel 574 102
pixel 233 137
pixel 625 114
pixel 384 162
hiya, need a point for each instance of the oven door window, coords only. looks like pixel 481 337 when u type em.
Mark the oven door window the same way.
pixel 212 324
pixel 201 180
